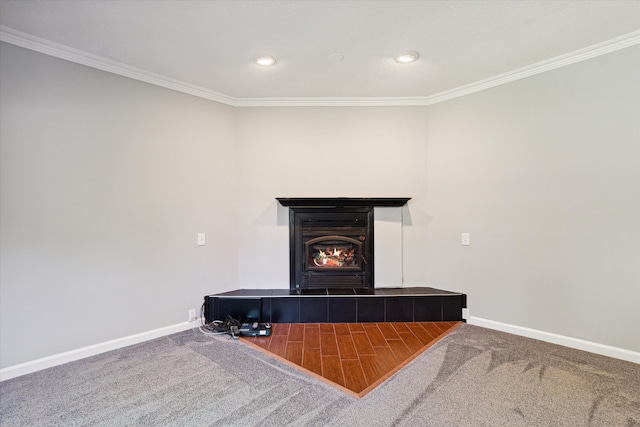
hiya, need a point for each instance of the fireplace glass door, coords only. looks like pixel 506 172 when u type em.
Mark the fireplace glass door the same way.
pixel 333 252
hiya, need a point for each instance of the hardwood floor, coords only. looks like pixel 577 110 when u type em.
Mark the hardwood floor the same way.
pixel 355 357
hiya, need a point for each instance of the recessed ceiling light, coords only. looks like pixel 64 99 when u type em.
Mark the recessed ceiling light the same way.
pixel 265 60
pixel 406 57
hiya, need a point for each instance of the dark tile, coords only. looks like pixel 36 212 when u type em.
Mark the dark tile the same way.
pixel 210 308
pixel 285 310
pixel 399 309
pixel 452 308
pixel 243 309
pixel 341 291
pixel 363 291
pixel 234 293
pixel 407 291
pixel 280 292
pixel 415 291
pixel 313 310
pixel 260 292
pixel 342 310
pixel 432 291
pixel 313 292
pixel 385 291
pixel 245 292
pixel 370 309
pixel 265 310
pixel 427 308
pixel 395 291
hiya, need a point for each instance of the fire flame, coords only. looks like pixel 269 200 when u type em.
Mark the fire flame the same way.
pixel 333 258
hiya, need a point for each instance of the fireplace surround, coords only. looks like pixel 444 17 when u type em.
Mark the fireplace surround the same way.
pixel 331 241
pixel 335 303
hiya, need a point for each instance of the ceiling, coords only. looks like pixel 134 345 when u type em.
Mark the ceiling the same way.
pixel 207 47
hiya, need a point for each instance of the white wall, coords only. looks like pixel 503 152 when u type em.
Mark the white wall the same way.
pixel 545 175
pixel 388 248
pixel 105 182
pixel 326 152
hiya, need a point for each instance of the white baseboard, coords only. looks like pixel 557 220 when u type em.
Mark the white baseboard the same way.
pixel 80 353
pixel 70 356
pixel 592 347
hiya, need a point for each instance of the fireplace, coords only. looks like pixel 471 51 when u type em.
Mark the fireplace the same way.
pixel 331 247
pixel 331 241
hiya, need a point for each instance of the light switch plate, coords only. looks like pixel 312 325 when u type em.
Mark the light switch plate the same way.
pixel 465 239
pixel 201 239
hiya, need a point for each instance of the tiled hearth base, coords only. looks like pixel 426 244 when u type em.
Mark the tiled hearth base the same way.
pixel 336 305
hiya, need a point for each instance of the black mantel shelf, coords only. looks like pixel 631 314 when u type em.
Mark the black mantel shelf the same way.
pixel 340 202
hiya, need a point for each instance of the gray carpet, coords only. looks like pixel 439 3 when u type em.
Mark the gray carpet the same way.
pixel 472 377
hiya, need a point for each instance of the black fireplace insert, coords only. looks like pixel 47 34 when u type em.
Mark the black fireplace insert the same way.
pixel 331 241
pixel 331 248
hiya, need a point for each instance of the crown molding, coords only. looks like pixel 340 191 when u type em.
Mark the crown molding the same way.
pixel 364 101
pixel 593 51
pixel 57 50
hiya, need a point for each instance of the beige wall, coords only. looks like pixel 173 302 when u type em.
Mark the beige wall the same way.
pixel 105 182
pixel 545 175
pixel 327 152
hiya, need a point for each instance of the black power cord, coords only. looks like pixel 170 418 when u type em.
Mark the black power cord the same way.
pixel 229 326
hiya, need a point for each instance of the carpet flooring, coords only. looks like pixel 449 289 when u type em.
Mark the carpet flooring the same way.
pixel 471 377
pixel 355 357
